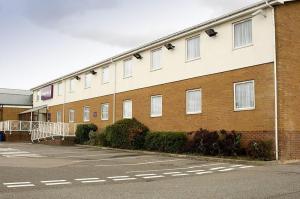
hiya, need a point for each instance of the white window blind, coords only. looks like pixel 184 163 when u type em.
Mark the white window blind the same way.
pixel 242 34
pixel 105 75
pixel 71 115
pixel 38 95
pixel 58 116
pixel 156 59
pixel 72 85
pixel 193 101
pixel 244 95
pixel 127 68
pixel 86 114
pixel 127 109
pixel 104 111
pixel 60 89
pixel 156 106
pixel 193 48
pixel 87 80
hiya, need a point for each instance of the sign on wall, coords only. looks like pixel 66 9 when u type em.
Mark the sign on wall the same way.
pixel 47 92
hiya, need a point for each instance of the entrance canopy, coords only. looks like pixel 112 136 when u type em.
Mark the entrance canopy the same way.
pixel 39 113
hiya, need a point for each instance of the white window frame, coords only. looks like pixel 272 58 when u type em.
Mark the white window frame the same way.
pixel 102 106
pixel 186 48
pixel 71 89
pixel 187 102
pixel 124 61
pixel 105 81
pixel 124 114
pixel 57 116
pixel 86 86
pixel 38 96
pixel 234 97
pixel 151 103
pixel 60 89
pixel 71 111
pixel 151 59
pixel 84 109
pixel 233 33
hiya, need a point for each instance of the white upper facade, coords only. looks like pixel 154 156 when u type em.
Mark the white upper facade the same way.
pixel 242 41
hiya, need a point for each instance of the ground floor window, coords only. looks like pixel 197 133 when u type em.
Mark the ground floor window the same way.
pixel 86 114
pixel 58 116
pixel 104 111
pixel 194 101
pixel 156 106
pixel 244 95
pixel 71 115
pixel 127 109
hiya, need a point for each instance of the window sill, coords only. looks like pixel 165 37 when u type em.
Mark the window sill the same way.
pixel 244 109
pixel 105 83
pixel 104 119
pixel 193 113
pixel 245 46
pixel 153 70
pixel 154 116
pixel 190 60
pixel 127 77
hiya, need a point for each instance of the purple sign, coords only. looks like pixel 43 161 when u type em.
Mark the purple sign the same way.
pixel 47 92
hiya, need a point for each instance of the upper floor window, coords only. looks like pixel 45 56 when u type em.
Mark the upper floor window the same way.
pixel 60 89
pixel 105 75
pixel 193 48
pixel 244 96
pixel 104 111
pixel 38 96
pixel 86 114
pixel 58 116
pixel 127 109
pixel 242 33
pixel 193 101
pixel 156 106
pixel 71 115
pixel 156 59
pixel 72 85
pixel 87 80
pixel 127 68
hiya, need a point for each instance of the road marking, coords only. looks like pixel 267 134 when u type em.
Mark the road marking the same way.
pixel 142 163
pixel 57 183
pixel 123 179
pixel 113 177
pixel 183 168
pixel 82 179
pixel 110 159
pixel 8 149
pixel 24 155
pixel 217 168
pixel 22 185
pixel 50 181
pixel 237 165
pixel 181 174
pixel 244 167
pixel 16 183
pixel 170 173
pixel 195 171
pixel 150 177
pixel 93 181
pixel 142 175
pixel 204 172
pixel 13 152
pixel 224 170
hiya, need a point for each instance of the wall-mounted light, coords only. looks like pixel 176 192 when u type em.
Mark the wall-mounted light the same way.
pixel 211 32
pixel 93 72
pixel 77 77
pixel 169 46
pixel 138 55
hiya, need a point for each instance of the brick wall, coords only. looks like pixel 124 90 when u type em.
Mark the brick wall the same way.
pixel 12 113
pixel 288 64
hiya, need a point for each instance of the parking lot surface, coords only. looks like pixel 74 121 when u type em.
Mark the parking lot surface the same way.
pixel 41 171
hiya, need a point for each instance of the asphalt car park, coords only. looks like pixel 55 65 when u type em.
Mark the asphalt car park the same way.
pixel 36 169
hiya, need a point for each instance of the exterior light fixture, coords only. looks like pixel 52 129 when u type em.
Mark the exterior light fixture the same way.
pixel 93 72
pixel 169 46
pixel 77 77
pixel 211 32
pixel 137 55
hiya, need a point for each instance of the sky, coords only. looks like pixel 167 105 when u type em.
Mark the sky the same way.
pixel 41 40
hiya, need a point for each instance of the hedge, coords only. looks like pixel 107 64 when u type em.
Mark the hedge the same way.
pixel 262 150
pixel 82 132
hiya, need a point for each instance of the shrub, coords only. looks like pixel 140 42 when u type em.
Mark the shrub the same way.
pixel 230 143
pixel 82 132
pixel 97 138
pixel 262 150
pixel 126 133
pixel 173 142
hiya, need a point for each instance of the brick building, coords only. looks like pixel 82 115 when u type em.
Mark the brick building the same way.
pixel 240 71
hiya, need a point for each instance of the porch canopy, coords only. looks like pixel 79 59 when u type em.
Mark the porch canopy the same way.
pixel 38 113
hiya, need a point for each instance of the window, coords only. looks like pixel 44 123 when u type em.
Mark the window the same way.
pixel 60 89
pixel 87 80
pixel 72 85
pixel 105 75
pixel 156 59
pixel 242 33
pixel 38 95
pixel 71 115
pixel 86 114
pixel 127 68
pixel 58 116
pixel 193 48
pixel 156 106
pixel 244 97
pixel 194 101
pixel 104 111
pixel 127 109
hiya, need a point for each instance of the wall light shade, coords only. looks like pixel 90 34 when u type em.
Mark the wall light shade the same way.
pixel 93 72
pixel 169 46
pixel 138 55
pixel 211 32
pixel 77 77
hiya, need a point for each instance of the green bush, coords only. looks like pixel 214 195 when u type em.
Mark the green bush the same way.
pixel 82 132
pixel 127 134
pixel 261 150
pixel 173 142
pixel 97 138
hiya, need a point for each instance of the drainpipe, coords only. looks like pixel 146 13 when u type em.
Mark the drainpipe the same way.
pixel 275 80
pixel 115 88
pixel 63 113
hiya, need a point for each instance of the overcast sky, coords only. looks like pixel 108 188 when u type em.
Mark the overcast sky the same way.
pixel 41 40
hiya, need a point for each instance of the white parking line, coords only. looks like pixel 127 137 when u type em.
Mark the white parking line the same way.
pixel 16 183
pixel 113 177
pixel 142 175
pixel 151 177
pixel 170 173
pixel 82 179
pixel 134 164
pixel 57 183
pixel 49 181
pixel 204 172
pixel 245 167
pixel 13 152
pixel 123 179
pixel 181 174
pixel 93 181
pixel 22 185
pixel 217 168
pixel 237 165
pixel 224 170
pixel 110 159
pixel 195 171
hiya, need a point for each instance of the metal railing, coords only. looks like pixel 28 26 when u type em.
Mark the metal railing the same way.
pixel 38 129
